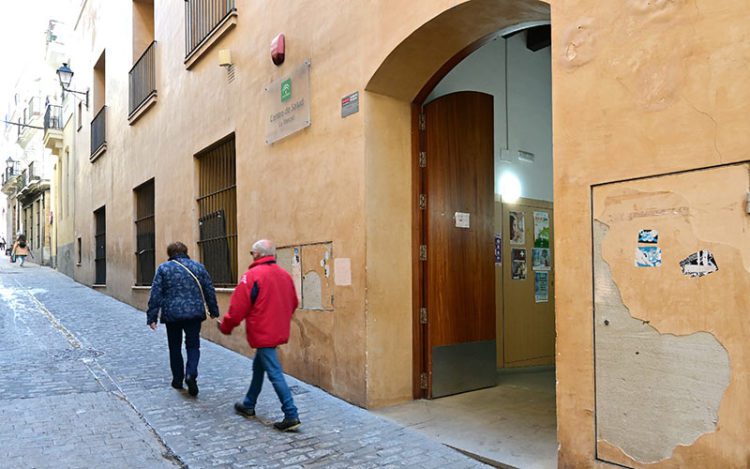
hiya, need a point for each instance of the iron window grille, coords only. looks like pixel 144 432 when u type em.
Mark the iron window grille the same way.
pixel 145 230
pixel 99 131
pixel 100 240
pixel 202 17
pixel 217 211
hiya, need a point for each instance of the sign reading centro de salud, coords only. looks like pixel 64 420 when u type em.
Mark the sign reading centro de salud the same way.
pixel 288 104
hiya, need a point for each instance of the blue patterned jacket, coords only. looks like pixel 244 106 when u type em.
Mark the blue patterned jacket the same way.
pixel 176 292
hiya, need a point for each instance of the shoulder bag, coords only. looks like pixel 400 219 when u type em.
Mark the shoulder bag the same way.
pixel 205 305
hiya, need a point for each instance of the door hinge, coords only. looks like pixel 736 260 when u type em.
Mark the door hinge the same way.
pixel 422 252
pixel 422 159
pixel 422 201
pixel 422 124
pixel 423 315
pixel 423 381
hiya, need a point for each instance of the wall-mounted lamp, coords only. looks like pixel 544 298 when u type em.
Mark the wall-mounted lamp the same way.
pixel 225 58
pixel 65 75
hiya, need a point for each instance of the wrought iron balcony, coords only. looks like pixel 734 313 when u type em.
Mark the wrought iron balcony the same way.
pixel 202 17
pixel 142 79
pixel 99 133
pixel 53 117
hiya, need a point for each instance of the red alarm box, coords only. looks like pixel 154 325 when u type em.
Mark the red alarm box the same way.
pixel 277 49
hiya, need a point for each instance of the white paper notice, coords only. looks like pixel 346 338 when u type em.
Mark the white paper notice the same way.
pixel 342 271
pixel 462 220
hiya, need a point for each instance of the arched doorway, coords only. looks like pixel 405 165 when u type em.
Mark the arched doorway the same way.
pixel 458 298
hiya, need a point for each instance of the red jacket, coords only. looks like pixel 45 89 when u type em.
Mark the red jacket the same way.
pixel 265 299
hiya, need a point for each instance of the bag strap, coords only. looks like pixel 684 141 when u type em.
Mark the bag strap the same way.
pixel 200 287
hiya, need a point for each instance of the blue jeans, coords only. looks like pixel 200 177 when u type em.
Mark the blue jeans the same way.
pixel 192 329
pixel 266 361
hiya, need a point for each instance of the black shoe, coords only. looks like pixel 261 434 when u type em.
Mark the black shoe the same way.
pixel 177 383
pixel 192 385
pixel 287 425
pixel 240 408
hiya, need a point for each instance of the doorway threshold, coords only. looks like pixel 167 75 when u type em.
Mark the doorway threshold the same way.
pixel 511 425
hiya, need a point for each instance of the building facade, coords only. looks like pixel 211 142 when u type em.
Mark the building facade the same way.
pixel 368 155
pixel 30 164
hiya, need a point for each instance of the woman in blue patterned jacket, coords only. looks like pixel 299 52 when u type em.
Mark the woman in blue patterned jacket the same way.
pixel 183 291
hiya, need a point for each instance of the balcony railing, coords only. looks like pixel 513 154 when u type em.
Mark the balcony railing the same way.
pixel 53 117
pixel 143 79
pixel 202 17
pixel 99 132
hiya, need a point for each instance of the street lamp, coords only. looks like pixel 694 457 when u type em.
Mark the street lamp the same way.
pixel 65 75
pixel 9 164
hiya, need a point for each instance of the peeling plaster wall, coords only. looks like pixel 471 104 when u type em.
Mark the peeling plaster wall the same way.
pixel 643 88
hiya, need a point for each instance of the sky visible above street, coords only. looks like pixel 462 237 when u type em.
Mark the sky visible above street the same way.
pixel 22 26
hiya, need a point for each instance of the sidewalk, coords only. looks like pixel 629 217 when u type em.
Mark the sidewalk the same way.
pixel 86 384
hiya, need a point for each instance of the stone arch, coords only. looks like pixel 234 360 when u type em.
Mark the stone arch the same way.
pixel 411 65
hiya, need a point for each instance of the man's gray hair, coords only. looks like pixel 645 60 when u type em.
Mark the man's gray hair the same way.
pixel 264 248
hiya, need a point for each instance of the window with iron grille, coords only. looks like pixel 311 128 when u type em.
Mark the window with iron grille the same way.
pixel 202 18
pixel 217 211
pixel 100 241
pixel 145 253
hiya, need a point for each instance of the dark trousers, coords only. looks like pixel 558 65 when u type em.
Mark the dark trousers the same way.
pixel 192 329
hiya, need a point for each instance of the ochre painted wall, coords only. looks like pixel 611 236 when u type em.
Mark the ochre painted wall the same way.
pixel 639 88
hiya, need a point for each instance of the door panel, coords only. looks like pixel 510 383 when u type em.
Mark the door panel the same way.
pixel 671 319
pixel 528 324
pixel 459 271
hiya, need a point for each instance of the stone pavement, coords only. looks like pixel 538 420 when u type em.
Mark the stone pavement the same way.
pixel 84 383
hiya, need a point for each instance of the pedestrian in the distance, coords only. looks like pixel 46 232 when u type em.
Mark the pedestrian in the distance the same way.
pixel 21 249
pixel 182 289
pixel 2 243
pixel 265 299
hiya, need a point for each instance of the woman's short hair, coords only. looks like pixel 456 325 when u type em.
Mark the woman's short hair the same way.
pixel 176 248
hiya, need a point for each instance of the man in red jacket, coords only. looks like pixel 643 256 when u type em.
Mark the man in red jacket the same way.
pixel 265 299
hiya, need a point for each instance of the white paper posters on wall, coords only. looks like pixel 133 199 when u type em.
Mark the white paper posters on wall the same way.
pixel 517 228
pixel 342 271
pixel 541 287
pixel 648 236
pixel 518 266
pixel 541 259
pixel 699 264
pixel 541 230
pixel 498 249
pixel 647 256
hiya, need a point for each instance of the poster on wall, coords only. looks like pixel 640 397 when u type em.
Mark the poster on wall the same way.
pixel 541 230
pixel 517 228
pixel 498 249
pixel 518 264
pixel 541 287
pixel 647 256
pixel 541 259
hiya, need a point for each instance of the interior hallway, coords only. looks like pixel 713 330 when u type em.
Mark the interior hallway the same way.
pixel 512 424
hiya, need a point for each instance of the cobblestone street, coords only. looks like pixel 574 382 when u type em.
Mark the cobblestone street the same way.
pixel 85 383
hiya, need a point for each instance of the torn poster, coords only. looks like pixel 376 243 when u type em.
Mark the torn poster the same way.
pixel 498 249
pixel 699 264
pixel 541 229
pixel 517 228
pixel 541 259
pixel 648 236
pixel 518 264
pixel 541 287
pixel 647 256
